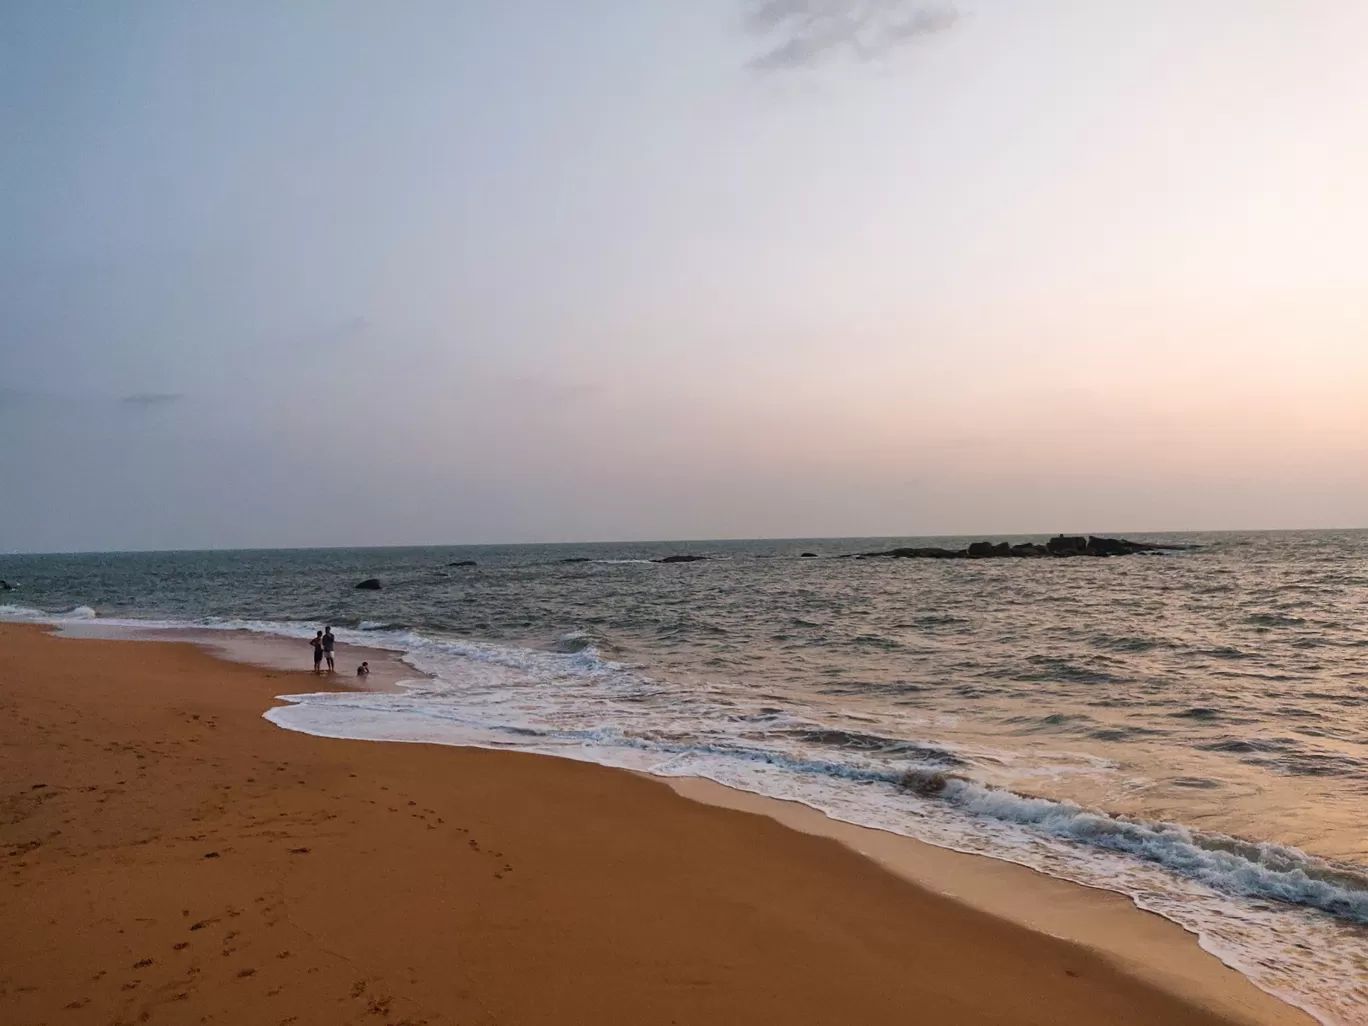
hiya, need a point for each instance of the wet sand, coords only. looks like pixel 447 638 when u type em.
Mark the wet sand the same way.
pixel 170 856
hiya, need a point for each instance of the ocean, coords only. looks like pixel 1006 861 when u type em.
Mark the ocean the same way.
pixel 1186 727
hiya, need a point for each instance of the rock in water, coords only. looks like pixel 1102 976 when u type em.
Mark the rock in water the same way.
pixel 463 562
pixel 987 550
pixel 6 586
pixel 1062 545
pixel 679 559
pixel 370 584
pixel 808 555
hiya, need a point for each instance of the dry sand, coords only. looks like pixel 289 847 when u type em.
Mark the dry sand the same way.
pixel 169 856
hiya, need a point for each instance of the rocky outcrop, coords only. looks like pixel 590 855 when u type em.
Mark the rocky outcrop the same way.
pixel 987 550
pixel 679 559
pixel 370 584
pixel 1062 546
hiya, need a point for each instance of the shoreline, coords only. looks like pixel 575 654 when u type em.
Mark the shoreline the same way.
pixel 1127 962
pixel 1138 942
pixel 265 651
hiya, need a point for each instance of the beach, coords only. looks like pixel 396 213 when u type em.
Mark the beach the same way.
pixel 171 856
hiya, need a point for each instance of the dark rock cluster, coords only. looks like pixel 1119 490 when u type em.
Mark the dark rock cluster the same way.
pixel 1057 547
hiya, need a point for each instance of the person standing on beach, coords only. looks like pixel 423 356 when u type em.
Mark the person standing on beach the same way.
pixel 317 644
pixel 328 642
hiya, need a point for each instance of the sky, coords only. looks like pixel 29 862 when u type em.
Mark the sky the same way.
pixel 345 273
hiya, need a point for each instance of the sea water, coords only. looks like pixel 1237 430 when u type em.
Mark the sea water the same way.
pixel 1185 728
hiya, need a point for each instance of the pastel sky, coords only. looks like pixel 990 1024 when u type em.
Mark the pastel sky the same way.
pixel 336 273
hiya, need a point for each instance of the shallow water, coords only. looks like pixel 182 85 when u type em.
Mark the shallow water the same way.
pixel 1114 721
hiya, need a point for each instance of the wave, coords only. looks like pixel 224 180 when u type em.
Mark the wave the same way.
pixel 1273 620
pixel 1126 643
pixel 1256 869
pixel 859 741
pixel 29 614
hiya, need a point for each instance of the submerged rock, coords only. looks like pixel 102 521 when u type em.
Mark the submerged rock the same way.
pixel 370 584
pixel 463 562
pixel 930 552
pixel 576 559
pixel 807 555
pixel 679 559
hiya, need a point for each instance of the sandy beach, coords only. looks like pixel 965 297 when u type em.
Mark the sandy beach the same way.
pixel 170 856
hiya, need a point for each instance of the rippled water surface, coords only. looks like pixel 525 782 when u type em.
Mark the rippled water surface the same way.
pixel 1188 728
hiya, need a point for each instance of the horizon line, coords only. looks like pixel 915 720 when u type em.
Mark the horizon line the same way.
pixel 671 541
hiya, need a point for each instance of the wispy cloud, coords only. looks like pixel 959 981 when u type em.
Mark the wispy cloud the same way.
pixel 802 33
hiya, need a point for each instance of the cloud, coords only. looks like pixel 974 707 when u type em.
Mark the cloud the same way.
pixel 801 33
pixel 146 400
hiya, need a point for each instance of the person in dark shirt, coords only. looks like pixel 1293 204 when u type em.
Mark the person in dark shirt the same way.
pixel 317 644
pixel 328 642
pixel 363 670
